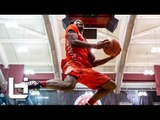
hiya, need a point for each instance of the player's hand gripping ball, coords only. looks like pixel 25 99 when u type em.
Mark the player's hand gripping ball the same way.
pixel 113 48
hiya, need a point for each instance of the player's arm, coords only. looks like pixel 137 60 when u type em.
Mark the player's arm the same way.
pixel 95 62
pixel 73 39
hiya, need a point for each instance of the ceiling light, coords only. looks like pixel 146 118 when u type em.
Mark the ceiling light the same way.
pixel 155 50
pixel 11 24
pixel 22 49
pixel 148 72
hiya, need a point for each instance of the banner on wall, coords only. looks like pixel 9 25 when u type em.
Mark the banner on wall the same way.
pixel 82 99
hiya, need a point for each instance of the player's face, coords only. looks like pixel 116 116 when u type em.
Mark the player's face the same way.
pixel 79 24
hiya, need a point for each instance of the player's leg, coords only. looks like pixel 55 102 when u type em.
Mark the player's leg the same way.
pixel 106 88
pixel 66 85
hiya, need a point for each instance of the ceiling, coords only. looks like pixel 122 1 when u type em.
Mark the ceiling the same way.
pixel 24 40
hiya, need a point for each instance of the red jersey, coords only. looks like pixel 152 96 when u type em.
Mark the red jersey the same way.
pixel 76 54
pixel 77 64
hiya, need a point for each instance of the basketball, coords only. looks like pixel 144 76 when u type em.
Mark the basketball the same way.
pixel 113 48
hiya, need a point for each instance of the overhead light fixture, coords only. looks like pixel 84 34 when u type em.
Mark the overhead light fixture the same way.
pixel 22 49
pixel 155 50
pixel 148 72
pixel 11 24
pixel 112 24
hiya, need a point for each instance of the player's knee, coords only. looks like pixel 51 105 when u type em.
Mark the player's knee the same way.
pixel 71 87
pixel 114 86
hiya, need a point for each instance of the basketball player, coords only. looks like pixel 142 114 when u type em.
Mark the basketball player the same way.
pixel 77 66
